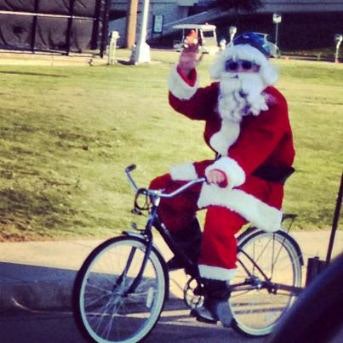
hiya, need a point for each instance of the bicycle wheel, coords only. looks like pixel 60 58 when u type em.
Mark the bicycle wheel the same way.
pixel 256 301
pixel 317 315
pixel 104 309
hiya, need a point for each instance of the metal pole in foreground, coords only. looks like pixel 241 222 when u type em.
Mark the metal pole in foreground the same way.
pixel 141 53
pixel 335 220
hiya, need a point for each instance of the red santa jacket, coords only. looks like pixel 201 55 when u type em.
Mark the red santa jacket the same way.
pixel 255 154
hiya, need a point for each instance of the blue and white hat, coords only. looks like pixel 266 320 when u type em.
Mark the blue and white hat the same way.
pixel 257 40
pixel 249 46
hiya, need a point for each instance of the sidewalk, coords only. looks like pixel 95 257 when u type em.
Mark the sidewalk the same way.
pixel 40 275
pixel 8 58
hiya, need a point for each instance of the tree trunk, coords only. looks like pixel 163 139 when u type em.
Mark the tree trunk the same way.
pixel 131 23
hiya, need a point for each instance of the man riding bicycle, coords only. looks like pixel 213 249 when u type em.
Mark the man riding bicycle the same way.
pixel 247 127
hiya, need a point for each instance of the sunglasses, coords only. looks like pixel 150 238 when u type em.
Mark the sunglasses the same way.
pixel 241 65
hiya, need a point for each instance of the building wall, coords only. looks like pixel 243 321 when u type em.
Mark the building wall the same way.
pixel 170 9
pixel 309 21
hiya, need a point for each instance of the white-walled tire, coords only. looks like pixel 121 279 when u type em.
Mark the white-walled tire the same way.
pixel 256 310
pixel 103 309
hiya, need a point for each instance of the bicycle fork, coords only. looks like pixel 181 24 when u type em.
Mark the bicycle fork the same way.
pixel 136 281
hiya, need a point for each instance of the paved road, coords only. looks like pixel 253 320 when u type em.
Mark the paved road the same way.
pixel 59 327
pixel 40 275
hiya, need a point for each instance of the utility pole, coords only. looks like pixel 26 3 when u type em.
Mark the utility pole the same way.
pixel 131 23
pixel 141 53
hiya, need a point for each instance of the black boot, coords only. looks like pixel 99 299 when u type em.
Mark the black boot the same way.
pixel 216 306
pixel 189 241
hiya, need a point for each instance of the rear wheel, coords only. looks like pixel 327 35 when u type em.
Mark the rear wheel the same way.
pixel 256 301
pixel 104 307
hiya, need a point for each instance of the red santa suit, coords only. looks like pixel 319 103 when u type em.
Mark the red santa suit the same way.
pixel 255 153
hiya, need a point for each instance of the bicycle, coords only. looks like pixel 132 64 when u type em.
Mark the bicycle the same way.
pixel 121 288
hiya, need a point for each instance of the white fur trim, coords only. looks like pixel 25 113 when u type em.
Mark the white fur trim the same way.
pixel 216 273
pixel 185 172
pixel 225 137
pixel 260 214
pixel 178 87
pixel 234 172
pixel 244 52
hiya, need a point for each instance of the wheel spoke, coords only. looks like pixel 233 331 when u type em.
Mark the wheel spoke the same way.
pixel 266 261
pixel 107 312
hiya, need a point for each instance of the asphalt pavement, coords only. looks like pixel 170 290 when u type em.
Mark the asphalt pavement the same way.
pixel 38 276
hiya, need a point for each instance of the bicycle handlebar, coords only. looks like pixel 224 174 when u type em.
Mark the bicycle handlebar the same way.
pixel 182 188
pixel 128 171
pixel 160 193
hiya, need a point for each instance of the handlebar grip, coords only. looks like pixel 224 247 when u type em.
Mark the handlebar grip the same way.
pixel 130 168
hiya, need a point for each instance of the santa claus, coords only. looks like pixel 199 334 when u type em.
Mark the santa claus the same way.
pixel 246 125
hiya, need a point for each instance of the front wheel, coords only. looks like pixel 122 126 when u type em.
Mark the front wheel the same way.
pixel 260 297
pixel 105 307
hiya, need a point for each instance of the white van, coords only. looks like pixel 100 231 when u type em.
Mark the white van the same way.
pixel 206 34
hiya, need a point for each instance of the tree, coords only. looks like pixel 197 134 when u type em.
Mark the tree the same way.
pixel 246 5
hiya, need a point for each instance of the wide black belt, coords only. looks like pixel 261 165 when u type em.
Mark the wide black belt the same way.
pixel 274 173
pixel 271 173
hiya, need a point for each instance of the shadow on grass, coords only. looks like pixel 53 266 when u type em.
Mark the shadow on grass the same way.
pixel 31 74
pixel 23 212
pixel 125 62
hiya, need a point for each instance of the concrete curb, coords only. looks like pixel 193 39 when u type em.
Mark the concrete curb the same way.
pixel 44 290
pixel 40 275
pixel 37 295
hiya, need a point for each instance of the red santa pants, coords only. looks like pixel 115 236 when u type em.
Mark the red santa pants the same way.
pixel 219 246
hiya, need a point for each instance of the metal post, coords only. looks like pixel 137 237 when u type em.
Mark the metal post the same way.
pixel 70 24
pixel 338 39
pixel 34 26
pixel 142 52
pixel 95 33
pixel 277 18
pixel 335 220
pixel 276 34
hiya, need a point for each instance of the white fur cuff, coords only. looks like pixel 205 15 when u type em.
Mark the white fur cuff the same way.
pixel 216 273
pixel 234 173
pixel 184 172
pixel 254 210
pixel 179 88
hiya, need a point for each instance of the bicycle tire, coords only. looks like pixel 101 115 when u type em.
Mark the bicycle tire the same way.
pixel 317 315
pixel 256 308
pixel 103 311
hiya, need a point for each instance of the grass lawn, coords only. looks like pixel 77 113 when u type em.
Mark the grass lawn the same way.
pixel 67 133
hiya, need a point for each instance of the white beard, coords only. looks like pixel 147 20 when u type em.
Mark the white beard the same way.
pixel 241 94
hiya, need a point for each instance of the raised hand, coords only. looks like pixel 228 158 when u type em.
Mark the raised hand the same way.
pixel 189 57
